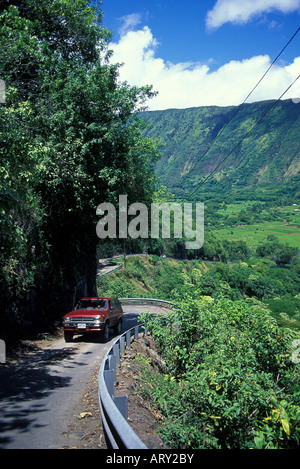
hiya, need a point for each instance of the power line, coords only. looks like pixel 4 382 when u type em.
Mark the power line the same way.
pixel 246 135
pixel 239 107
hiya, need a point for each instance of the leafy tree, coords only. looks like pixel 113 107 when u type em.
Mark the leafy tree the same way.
pixel 71 139
pixel 282 253
pixel 286 255
pixel 236 250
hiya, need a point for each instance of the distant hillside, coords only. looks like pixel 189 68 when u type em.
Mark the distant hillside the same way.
pixel 268 157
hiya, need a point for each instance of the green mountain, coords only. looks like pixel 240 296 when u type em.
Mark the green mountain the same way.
pixel 226 143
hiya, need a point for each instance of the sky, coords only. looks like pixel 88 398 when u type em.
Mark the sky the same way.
pixel 206 52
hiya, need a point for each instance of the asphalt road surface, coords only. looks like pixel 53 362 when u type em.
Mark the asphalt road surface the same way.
pixel 39 393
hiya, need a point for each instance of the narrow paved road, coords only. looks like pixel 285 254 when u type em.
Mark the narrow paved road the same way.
pixel 39 393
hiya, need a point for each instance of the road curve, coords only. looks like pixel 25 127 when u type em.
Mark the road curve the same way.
pixel 40 393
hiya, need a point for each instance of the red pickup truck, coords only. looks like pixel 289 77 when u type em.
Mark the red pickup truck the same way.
pixel 95 315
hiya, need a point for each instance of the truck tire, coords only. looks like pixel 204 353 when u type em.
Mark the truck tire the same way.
pixel 68 336
pixel 105 333
pixel 118 328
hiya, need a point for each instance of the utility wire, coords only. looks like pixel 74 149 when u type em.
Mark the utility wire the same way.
pixel 239 107
pixel 246 135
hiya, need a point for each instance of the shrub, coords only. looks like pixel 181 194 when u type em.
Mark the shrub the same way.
pixel 227 363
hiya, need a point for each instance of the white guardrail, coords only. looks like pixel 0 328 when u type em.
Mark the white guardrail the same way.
pixel 114 410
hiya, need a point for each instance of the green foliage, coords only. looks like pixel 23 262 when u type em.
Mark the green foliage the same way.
pixel 282 253
pixel 227 363
pixel 152 276
pixel 265 160
pixel 71 138
pixel 228 379
pixel 146 277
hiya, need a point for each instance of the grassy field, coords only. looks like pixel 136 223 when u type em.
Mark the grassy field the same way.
pixel 286 231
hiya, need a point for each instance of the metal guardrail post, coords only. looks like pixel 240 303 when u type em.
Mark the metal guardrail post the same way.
pixel 109 378
pixel 128 338
pixel 116 352
pixel 122 345
pixel 122 405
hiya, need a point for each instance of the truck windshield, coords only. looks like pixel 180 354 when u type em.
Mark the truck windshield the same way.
pixel 94 304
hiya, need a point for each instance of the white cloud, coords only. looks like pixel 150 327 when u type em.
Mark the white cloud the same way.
pixel 241 11
pixel 184 85
pixel 129 22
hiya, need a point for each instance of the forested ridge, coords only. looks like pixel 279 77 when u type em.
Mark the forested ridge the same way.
pixel 196 140
pixel 70 140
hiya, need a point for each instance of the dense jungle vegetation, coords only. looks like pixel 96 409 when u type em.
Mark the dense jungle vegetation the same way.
pixel 229 378
pixel 70 139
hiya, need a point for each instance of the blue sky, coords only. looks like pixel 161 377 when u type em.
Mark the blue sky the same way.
pixel 205 52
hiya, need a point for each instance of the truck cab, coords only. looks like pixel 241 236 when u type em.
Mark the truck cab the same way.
pixel 94 315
